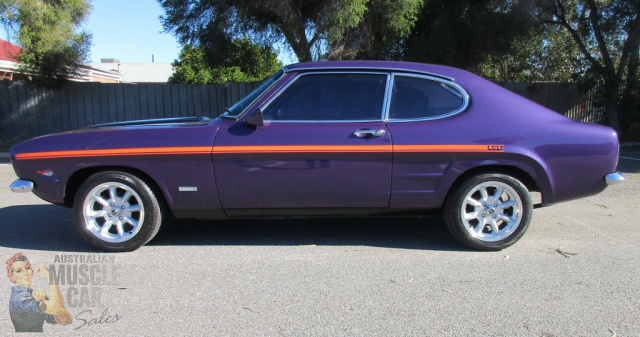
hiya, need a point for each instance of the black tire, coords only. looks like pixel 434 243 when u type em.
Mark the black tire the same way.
pixel 129 223
pixel 485 227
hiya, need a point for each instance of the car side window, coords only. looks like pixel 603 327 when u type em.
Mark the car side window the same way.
pixel 330 97
pixel 418 97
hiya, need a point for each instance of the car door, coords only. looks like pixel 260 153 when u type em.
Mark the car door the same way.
pixel 423 116
pixel 323 145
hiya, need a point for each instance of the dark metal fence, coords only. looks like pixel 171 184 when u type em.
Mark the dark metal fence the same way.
pixel 26 112
pixel 575 101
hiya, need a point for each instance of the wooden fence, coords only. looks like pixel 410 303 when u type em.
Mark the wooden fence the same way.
pixel 26 112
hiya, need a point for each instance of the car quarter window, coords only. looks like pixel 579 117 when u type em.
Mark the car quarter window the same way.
pixel 330 97
pixel 420 97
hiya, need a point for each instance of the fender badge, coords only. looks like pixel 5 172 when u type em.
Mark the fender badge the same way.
pixel 495 147
pixel 188 189
pixel 48 175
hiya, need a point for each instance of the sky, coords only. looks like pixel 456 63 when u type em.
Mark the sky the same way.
pixel 130 31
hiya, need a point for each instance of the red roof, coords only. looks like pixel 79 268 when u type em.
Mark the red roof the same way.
pixel 9 51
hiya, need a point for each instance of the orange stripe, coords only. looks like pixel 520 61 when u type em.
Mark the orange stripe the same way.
pixel 301 149
pixel 116 152
pixel 443 148
pixel 261 149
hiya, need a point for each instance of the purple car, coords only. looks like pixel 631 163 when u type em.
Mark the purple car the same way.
pixel 329 138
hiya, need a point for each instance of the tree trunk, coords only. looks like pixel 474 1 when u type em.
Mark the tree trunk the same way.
pixel 611 104
pixel 300 46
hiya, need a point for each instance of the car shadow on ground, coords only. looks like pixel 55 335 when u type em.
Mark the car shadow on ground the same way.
pixel 423 233
pixel 629 161
pixel 40 227
pixel 51 228
pixel 626 165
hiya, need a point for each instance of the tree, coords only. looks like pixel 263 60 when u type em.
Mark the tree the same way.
pixel 243 61
pixel 541 54
pixel 467 33
pixel 47 31
pixel 52 49
pixel 312 29
pixel 607 34
pixel 380 32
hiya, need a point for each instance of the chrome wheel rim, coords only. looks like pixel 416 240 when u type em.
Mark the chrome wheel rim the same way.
pixel 491 211
pixel 113 212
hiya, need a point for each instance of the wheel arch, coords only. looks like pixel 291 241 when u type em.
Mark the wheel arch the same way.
pixel 516 172
pixel 77 178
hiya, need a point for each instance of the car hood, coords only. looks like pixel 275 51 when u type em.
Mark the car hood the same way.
pixel 157 133
pixel 180 121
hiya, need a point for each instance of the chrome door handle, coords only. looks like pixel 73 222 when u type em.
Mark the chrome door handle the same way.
pixel 365 132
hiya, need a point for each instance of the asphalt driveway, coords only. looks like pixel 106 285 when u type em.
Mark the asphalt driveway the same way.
pixel 575 273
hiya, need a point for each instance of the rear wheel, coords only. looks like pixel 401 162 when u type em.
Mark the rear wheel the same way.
pixel 117 211
pixel 489 211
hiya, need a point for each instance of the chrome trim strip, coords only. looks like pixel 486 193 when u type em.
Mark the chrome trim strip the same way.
pixel 387 99
pixel 187 189
pixel 447 88
pixel 154 122
pixel 465 98
pixel 22 186
pixel 267 122
pixel 284 88
pixel 389 69
pixel 615 178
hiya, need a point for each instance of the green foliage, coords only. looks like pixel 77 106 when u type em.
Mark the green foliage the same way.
pixel 47 31
pixel 542 54
pixel 243 61
pixel 466 33
pixel 312 29
pixel 607 35
pixel 383 27
pixel 602 32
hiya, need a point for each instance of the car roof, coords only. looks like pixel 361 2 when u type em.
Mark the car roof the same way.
pixel 446 72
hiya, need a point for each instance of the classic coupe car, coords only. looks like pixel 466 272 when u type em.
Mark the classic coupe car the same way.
pixel 328 138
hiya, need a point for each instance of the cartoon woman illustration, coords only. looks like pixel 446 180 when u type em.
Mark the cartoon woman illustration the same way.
pixel 29 309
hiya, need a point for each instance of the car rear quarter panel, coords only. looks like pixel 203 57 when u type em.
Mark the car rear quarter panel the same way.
pixel 574 156
pixel 566 159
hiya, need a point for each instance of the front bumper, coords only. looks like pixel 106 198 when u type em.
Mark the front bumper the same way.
pixel 22 186
pixel 615 178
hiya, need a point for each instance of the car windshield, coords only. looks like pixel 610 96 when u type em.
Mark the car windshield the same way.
pixel 239 107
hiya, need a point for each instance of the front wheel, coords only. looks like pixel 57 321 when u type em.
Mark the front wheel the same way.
pixel 117 211
pixel 489 211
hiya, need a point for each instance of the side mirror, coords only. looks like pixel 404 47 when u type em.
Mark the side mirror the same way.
pixel 256 119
